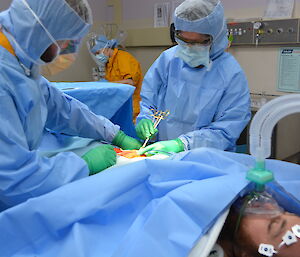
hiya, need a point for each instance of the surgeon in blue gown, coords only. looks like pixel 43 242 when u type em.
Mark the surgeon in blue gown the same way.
pixel 33 33
pixel 202 86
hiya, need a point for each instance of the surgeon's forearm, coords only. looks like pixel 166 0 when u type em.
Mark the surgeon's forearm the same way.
pixel 207 137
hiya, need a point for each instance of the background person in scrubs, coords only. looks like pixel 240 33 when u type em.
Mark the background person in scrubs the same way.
pixel 33 33
pixel 202 86
pixel 120 67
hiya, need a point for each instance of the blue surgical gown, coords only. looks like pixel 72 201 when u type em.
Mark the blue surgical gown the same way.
pixel 207 108
pixel 28 105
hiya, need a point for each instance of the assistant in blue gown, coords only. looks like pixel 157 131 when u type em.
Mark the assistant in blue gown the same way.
pixel 208 107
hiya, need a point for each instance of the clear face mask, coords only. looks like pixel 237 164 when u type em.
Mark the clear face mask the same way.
pixel 262 204
pixel 257 203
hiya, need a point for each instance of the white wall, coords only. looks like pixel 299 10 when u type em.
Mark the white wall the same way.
pixel 261 67
pixel 4 4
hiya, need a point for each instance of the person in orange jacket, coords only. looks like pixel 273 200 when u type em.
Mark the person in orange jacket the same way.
pixel 119 67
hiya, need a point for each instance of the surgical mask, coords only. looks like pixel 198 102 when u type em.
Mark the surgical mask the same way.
pixel 194 55
pixel 102 58
pixel 61 63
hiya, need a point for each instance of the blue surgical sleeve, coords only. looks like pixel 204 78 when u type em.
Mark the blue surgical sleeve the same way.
pixel 155 79
pixel 70 116
pixel 232 116
pixel 23 173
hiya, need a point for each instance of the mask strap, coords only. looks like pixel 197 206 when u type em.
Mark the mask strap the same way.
pixel 220 32
pixel 241 212
pixel 103 49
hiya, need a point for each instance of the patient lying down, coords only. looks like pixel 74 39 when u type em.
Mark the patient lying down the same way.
pixel 256 226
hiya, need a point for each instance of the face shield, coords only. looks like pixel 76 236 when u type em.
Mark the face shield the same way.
pixel 69 46
pixel 66 57
pixel 53 47
pixel 59 26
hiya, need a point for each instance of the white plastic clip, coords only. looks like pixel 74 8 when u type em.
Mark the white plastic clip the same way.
pixel 288 238
pixel 266 250
pixel 296 230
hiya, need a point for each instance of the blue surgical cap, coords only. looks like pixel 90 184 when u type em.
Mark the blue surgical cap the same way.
pixel 193 17
pixel 103 42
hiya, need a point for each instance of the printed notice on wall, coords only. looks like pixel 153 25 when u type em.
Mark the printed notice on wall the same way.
pixel 161 15
pixel 279 9
pixel 289 70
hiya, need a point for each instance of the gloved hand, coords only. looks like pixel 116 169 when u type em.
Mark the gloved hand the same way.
pixel 145 128
pixel 126 142
pixel 174 146
pixel 100 158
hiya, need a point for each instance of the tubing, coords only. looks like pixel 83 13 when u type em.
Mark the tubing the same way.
pixel 264 121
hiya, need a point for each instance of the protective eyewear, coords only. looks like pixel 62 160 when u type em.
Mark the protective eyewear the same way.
pixel 204 42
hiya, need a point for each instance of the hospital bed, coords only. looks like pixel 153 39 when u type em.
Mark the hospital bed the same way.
pixel 146 208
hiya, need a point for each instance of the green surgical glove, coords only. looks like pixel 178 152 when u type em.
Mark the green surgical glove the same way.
pixel 145 128
pixel 100 158
pixel 126 142
pixel 173 146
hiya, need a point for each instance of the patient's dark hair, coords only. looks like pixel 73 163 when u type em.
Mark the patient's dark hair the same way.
pixel 237 238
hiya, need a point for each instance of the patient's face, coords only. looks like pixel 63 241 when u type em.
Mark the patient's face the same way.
pixel 271 230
